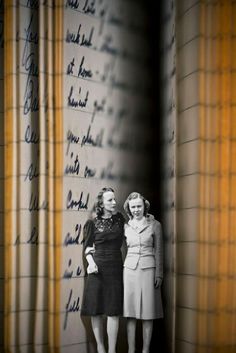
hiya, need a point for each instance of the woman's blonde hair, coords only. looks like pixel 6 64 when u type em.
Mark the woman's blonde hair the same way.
pixel 132 196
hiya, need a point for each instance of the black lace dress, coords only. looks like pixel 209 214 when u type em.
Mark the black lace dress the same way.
pixel 103 292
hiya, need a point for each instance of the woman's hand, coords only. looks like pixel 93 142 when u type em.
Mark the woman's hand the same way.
pixel 92 268
pixel 158 281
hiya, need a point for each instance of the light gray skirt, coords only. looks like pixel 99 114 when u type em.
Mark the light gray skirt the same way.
pixel 141 299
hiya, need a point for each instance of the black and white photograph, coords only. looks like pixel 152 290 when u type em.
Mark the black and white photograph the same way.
pixel 118 176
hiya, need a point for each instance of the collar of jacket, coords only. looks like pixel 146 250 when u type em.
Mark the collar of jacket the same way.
pixel 149 219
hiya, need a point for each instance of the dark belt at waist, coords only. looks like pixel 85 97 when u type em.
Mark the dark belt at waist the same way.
pixel 107 251
pixel 107 255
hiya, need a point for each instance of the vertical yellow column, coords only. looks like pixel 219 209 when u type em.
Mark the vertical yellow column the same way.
pixel 54 54
pixel 202 253
pixel 223 285
pixel 8 167
pixel 50 151
pixel 207 60
pixel 215 285
pixel 58 182
pixel 232 181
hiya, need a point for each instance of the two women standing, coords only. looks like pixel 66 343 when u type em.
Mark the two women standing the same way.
pixel 104 293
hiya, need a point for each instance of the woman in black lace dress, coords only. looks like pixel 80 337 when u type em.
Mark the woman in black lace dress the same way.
pixel 103 292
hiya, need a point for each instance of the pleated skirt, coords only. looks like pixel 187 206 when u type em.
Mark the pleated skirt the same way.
pixel 141 299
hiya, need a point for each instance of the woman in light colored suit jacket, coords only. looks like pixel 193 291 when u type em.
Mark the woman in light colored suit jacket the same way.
pixel 143 269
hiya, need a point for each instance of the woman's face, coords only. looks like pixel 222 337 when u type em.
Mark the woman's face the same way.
pixel 109 201
pixel 136 207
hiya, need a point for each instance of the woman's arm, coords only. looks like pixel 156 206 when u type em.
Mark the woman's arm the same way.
pixel 89 247
pixel 158 250
pixel 124 244
pixel 124 249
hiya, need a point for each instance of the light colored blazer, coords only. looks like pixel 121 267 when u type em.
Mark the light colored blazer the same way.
pixel 144 245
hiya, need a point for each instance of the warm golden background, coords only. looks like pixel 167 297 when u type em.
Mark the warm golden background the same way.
pixel 197 174
pixel 200 59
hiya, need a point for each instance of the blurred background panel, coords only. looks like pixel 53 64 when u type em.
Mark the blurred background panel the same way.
pixel 203 242
pixel 166 108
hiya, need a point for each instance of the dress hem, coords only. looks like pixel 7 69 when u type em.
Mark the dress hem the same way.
pixel 98 314
pixel 142 318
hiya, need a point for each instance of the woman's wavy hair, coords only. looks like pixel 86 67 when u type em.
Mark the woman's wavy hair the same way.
pixel 98 206
pixel 132 196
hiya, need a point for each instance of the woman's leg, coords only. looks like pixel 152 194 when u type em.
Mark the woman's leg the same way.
pixel 112 331
pixel 147 334
pixel 97 325
pixel 131 328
